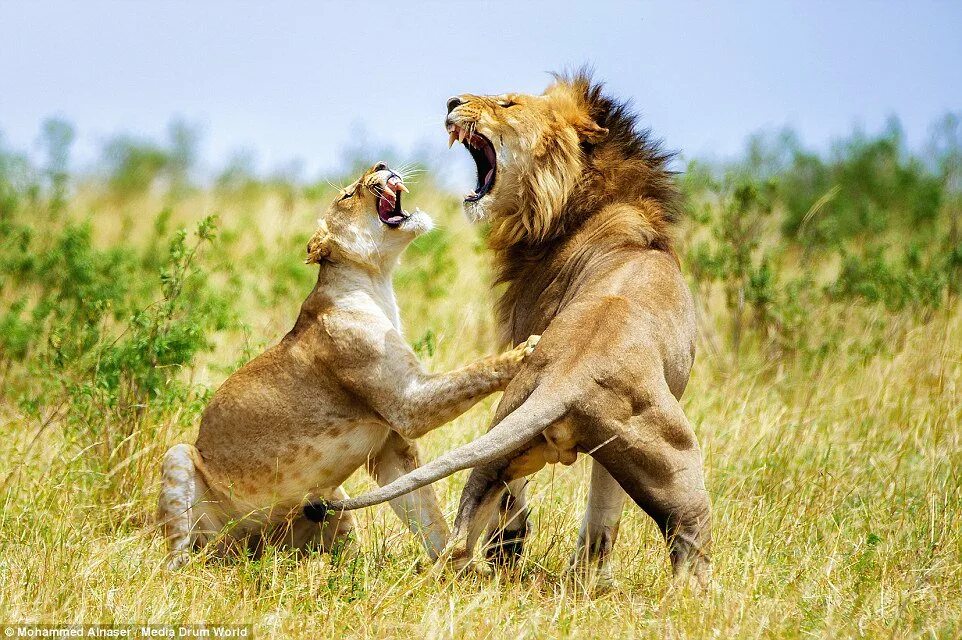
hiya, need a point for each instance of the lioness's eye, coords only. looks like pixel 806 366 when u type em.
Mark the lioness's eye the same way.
pixel 347 194
pixel 506 103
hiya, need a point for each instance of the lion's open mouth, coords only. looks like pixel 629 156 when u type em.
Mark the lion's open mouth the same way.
pixel 389 202
pixel 484 156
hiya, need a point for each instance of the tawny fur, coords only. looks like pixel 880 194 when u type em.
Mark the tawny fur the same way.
pixel 341 391
pixel 581 220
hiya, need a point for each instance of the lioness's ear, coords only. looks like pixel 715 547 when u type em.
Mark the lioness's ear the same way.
pixel 319 246
pixel 589 131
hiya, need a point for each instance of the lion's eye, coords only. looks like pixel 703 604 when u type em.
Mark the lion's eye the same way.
pixel 507 103
pixel 347 194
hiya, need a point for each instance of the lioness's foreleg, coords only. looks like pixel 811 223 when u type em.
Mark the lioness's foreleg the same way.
pixel 599 529
pixel 434 400
pixel 418 510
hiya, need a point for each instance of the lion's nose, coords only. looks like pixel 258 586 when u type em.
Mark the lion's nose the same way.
pixel 380 166
pixel 454 102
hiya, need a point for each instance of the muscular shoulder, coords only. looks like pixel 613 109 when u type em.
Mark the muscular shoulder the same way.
pixel 358 338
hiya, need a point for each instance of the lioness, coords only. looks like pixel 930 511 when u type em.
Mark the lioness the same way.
pixel 581 205
pixel 342 390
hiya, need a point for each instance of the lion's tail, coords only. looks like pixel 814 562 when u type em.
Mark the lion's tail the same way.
pixel 517 428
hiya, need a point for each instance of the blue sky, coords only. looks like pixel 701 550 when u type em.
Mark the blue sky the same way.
pixel 299 80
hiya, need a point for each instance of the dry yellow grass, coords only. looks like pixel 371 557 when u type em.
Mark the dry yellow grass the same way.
pixel 838 504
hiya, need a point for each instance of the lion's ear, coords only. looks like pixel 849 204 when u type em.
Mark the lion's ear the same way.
pixel 589 131
pixel 319 246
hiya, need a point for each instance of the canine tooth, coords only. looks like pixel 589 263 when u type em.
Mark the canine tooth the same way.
pixel 452 139
pixel 462 134
pixel 400 185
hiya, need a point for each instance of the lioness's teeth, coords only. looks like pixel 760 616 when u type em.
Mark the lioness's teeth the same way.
pixel 462 134
pixel 400 185
pixel 452 139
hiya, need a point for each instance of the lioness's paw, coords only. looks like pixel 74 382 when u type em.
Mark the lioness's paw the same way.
pixel 516 357
pixel 529 345
pixel 525 349
pixel 176 561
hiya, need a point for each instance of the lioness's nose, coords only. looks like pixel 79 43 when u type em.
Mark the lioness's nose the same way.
pixel 454 102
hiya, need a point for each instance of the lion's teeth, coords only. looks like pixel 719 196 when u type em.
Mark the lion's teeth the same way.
pixel 452 139
pixel 462 134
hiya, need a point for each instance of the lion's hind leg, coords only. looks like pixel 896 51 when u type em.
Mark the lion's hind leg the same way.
pixel 659 465
pixel 599 529
pixel 510 526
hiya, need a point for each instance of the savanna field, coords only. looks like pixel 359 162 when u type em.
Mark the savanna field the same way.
pixel 827 397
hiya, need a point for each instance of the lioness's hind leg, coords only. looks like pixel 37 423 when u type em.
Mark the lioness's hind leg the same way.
pixel 180 509
pixel 599 529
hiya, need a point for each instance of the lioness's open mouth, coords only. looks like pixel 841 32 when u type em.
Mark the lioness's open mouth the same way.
pixel 484 156
pixel 389 202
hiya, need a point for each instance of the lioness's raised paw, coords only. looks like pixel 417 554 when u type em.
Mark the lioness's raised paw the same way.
pixel 521 352
pixel 529 345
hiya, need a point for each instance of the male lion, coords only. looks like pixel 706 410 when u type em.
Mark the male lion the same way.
pixel 580 204
pixel 342 390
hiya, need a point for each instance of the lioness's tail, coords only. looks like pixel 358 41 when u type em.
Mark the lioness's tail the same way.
pixel 517 428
